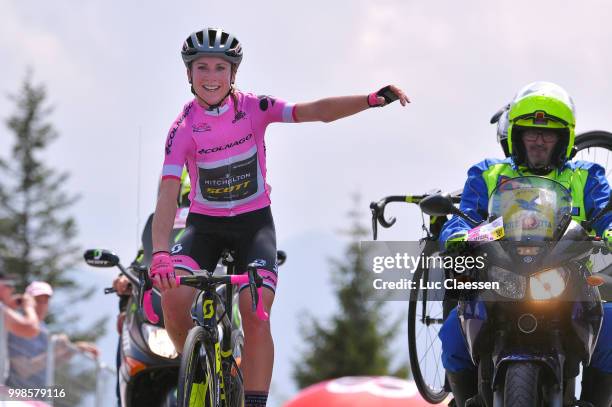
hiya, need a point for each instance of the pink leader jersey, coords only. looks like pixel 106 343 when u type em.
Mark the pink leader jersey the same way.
pixel 225 153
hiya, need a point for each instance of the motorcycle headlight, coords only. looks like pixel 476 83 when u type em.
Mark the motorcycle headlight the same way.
pixel 511 285
pixel 548 284
pixel 159 342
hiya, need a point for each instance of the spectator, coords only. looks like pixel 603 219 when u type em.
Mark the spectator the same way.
pixel 13 322
pixel 25 324
pixel 28 357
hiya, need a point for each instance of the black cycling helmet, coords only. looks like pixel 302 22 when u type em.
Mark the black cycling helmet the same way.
pixel 212 42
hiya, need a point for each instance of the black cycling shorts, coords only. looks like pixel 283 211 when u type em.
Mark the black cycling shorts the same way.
pixel 250 235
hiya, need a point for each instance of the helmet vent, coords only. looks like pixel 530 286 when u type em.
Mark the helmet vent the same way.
pixel 212 34
pixel 189 44
pixel 224 37
pixel 200 37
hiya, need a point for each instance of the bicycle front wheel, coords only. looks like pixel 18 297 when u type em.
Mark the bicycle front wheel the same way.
pixel 198 384
pixel 595 146
pixel 425 318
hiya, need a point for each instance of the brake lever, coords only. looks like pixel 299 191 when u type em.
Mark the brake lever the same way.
pixel 374 224
pixel 378 214
pixel 145 294
pixel 374 210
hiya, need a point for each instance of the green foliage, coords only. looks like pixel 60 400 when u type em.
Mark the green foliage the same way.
pixel 356 340
pixel 36 231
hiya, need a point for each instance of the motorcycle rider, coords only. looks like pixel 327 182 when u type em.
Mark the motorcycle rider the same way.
pixel 540 141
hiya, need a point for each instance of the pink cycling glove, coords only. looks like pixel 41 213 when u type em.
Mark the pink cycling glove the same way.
pixel 161 265
pixel 386 93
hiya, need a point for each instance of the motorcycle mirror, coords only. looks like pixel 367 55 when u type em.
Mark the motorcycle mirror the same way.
pixel 442 205
pixel 101 258
pixel 438 205
pixel 281 257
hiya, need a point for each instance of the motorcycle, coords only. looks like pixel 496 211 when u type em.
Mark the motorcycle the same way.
pixel 148 361
pixel 149 364
pixel 541 316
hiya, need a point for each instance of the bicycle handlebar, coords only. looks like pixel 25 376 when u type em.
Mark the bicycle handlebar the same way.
pixel 204 281
pixel 378 209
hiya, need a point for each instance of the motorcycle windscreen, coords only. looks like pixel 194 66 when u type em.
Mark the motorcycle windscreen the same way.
pixel 531 207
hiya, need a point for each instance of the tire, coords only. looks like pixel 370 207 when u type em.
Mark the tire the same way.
pixel 429 392
pixel 595 146
pixel 235 388
pixel 596 138
pixel 522 385
pixel 197 365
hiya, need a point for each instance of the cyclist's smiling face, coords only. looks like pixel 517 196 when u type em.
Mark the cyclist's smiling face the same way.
pixel 211 78
pixel 539 145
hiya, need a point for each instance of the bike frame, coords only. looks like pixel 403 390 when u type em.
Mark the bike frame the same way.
pixel 204 314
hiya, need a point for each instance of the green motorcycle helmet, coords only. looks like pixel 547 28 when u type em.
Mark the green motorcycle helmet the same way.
pixel 542 105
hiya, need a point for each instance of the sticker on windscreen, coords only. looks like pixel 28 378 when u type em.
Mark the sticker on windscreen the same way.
pixel 230 182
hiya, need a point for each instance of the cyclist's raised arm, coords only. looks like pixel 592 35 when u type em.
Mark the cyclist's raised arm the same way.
pixel 334 108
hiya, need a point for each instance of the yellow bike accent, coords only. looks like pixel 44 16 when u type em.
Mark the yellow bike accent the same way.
pixel 207 308
pixel 196 388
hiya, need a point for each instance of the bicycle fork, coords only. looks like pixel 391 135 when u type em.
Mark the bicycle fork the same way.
pixel 224 361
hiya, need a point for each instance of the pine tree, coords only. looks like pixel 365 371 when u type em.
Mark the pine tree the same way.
pixel 36 232
pixel 355 342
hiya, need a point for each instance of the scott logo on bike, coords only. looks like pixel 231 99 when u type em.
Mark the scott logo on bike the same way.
pixel 207 309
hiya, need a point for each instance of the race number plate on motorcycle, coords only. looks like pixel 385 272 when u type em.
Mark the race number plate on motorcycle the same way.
pixel 487 232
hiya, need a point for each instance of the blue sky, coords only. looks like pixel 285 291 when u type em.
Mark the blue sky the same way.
pixel 114 75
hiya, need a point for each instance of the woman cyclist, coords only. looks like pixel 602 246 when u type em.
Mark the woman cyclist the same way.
pixel 219 135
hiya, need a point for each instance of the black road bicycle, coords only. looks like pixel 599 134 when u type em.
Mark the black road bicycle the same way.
pixel 210 373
